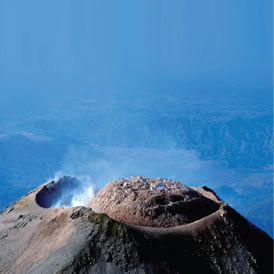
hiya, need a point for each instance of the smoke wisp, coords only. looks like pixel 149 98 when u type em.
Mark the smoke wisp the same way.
pixel 70 191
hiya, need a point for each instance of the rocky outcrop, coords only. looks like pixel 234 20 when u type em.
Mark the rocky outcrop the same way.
pixel 37 239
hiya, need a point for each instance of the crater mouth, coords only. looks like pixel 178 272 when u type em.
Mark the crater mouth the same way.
pixel 64 192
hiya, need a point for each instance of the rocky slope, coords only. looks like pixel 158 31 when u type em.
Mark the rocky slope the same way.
pixel 36 238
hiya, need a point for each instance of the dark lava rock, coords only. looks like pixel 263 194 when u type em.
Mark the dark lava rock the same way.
pixel 153 202
pixel 35 238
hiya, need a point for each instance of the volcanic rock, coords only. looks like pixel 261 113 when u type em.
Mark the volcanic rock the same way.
pixel 36 238
pixel 152 202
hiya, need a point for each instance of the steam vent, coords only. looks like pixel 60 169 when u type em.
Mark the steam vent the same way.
pixel 134 225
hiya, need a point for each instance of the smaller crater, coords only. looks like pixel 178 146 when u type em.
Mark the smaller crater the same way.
pixel 58 193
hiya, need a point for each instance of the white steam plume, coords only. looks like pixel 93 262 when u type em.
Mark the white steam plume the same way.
pixel 80 196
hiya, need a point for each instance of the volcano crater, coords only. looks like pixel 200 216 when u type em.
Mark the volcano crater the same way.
pixel 58 193
pixel 154 202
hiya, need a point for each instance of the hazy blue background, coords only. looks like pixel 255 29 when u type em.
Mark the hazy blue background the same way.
pixel 180 89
